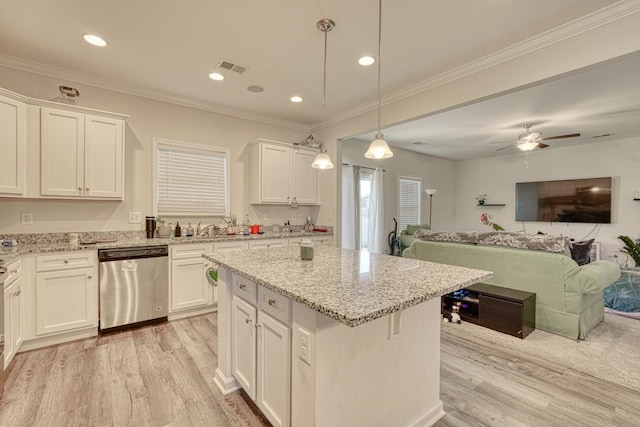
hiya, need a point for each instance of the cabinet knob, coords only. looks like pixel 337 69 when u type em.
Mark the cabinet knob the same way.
pixel 14 271
pixel 79 188
pixel 17 293
pixel 242 286
pixel 258 325
pixel 272 302
pixel 66 261
pixel 247 320
pixel 89 277
pixel 87 189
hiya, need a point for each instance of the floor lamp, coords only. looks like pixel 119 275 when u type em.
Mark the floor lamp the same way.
pixel 430 192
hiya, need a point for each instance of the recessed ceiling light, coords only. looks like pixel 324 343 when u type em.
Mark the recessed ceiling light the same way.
pixel 366 60
pixel 216 76
pixel 94 40
pixel 296 99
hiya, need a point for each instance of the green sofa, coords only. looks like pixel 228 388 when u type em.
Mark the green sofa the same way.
pixel 406 236
pixel 568 297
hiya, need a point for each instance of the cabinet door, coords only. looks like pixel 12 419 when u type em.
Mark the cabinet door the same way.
pixel 66 300
pixel 13 143
pixel 305 178
pixel 61 153
pixel 274 370
pixel 16 316
pixel 8 337
pixel 103 157
pixel 275 174
pixel 189 286
pixel 243 345
pixel 269 243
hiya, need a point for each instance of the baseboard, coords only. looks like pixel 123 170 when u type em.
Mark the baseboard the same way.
pixel 182 314
pixel 226 385
pixel 429 416
pixel 46 341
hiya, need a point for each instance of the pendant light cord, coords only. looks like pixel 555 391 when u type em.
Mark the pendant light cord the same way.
pixel 379 53
pixel 324 96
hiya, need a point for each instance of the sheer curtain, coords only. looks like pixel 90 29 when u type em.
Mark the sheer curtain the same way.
pixel 350 202
pixel 376 213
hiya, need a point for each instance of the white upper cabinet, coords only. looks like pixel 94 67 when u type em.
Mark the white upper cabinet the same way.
pixel 81 155
pixel 13 146
pixel 282 174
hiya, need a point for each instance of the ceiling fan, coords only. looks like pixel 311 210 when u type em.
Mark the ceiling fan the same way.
pixel 531 140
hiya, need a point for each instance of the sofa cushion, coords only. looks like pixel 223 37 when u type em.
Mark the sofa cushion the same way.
pixel 581 251
pixel 556 244
pixel 411 229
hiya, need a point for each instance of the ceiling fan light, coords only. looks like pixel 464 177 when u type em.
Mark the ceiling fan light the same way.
pixel 378 149
pixel 322 161
pixel 527 145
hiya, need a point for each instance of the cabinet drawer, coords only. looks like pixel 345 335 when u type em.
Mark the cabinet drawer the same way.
pixel 274 304
pixel 270 243
pixel 245 289
pixel 230 246
pixel 65 261
pixel 13 271
pixel 190 251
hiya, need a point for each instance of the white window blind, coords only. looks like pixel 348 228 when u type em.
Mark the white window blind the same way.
pixel 191 180
pixel 409 201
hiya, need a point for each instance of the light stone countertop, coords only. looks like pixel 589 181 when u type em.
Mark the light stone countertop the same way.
pixel 9 254
pixel 349 286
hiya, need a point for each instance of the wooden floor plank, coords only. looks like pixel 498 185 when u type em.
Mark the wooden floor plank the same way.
pixel 162 375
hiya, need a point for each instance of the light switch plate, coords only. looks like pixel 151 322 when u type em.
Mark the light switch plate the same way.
pixel 26 218
pixel 135 217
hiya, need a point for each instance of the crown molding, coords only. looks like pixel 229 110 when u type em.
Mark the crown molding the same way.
pixel 599 18
pixel 118 86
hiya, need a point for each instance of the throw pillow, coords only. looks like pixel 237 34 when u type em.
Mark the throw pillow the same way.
pixel 581 251
pixel 411 229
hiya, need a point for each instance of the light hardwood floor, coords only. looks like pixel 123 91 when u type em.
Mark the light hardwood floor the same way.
pixel 162 376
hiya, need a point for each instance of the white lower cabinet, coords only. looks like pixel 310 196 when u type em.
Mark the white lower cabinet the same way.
pixel 66 292
pixel 261 349
pixel 268 243
pixel 12 312
pixel 189 288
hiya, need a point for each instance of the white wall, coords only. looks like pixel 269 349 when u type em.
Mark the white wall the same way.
pixel 497 176
pixel 435 173
pixel 148 119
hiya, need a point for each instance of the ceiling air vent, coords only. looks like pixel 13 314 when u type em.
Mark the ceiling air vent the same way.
pixel 227 65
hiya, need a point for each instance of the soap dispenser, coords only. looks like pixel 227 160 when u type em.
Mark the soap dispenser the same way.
pixel 177 232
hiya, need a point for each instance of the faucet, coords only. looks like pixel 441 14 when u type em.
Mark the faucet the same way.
pixel 208 229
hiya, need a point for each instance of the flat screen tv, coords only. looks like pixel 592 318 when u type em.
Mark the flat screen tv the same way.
pixel 570 200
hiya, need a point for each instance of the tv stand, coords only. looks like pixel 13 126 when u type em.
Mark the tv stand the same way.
pixel 509 311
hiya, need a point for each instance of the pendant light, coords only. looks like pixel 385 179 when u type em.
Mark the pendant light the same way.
pixel 379 149
pixel 322 160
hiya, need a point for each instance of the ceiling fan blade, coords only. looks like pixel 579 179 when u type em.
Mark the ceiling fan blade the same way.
pixel 504 148
pixel 542 145
pixel 569 135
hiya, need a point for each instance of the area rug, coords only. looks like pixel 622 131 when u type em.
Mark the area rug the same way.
pixel 610 351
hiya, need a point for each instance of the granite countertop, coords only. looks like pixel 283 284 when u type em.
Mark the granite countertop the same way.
pixel 9 254
pixel 349 286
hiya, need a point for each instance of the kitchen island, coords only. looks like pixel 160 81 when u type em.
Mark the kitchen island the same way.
pixel 346 339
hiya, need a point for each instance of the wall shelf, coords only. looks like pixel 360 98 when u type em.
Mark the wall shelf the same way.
pixel 492 204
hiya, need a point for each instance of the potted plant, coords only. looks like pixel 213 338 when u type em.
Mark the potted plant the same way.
pixel 481 199
pixel 231 221
pixel 631 248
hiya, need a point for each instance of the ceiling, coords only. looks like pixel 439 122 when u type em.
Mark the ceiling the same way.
pixel 162 49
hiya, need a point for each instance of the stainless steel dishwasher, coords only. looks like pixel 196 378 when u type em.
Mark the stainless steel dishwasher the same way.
pixel 134 286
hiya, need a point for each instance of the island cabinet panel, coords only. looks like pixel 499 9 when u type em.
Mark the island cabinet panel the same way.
pixel 261 348
pixel 243 343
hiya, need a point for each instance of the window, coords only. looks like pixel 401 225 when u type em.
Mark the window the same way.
pixel 409 201
pixel 190 180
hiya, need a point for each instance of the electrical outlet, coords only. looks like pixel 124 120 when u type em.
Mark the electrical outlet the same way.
pixel 135 217
pixel 294 216
pixel 265 217
pixel 330 218
pixel 26 218
pixel 304 345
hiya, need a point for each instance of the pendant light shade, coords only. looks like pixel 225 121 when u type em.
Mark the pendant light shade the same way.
pixel 322 160
pixel 379 149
